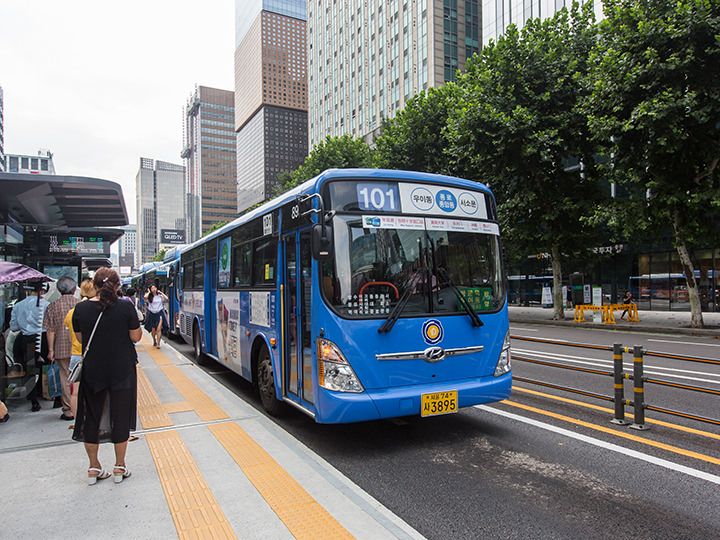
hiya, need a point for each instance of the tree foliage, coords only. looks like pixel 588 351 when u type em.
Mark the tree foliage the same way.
pixel 519 127
pixel 160 255
pixel 415 140
pixel 334 152
pixel 655 107
pixel 215 226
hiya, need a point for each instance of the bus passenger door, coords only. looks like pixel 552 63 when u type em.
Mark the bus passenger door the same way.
pixel 210 308
pixel 297 366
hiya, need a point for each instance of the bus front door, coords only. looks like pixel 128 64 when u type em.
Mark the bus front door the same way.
pixel 297 366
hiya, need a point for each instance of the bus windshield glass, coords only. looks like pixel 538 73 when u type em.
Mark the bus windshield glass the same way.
pixel 424 259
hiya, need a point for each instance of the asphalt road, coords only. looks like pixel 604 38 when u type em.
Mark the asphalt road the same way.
pixel 535 466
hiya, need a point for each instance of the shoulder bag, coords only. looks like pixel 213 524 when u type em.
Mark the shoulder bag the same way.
pixel 76 371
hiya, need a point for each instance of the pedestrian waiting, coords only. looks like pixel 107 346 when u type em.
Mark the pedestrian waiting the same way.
pixel 107 400
pixel 31 343
pixel 87 291
pixel 58 338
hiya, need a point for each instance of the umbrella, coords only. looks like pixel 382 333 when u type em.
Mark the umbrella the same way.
pixel 11 272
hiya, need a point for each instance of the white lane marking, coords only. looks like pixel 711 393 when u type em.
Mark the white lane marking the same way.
pixel 606 445
pixel 523 329
pixel 627 365
pixel 684 342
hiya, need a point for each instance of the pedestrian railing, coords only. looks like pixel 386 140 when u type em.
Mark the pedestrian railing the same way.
pixel 619 376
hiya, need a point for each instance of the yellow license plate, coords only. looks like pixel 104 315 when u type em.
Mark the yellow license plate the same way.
pixel 439 403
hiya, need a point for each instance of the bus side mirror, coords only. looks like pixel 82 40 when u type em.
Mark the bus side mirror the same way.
pixel 322 243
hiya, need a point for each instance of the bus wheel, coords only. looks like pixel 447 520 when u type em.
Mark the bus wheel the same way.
pixel 200 358
pixel 266 384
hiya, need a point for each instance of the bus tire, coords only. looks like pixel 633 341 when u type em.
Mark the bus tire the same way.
pixel 200 358
pixel 266 383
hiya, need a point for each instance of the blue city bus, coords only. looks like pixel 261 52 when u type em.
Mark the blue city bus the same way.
pixel 164 276
pixel 359 295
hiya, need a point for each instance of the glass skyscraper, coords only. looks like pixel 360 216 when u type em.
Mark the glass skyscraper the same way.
pixel 367 58
pixel 497 15
pixel 271 94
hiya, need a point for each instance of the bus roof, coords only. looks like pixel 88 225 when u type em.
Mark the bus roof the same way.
pixel 314 184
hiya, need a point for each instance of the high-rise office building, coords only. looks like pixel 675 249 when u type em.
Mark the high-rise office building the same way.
pixel 270 94
pixel 497 15
pixel 42 163
pixel 3 166
pixel 209 154
pixel 160 192
pixel 127 246
pixel 367 58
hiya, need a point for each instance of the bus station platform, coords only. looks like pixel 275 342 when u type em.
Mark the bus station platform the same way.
pixel 205 464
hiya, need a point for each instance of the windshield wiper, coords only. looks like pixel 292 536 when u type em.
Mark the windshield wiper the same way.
pixel 395 313
pixel 461 298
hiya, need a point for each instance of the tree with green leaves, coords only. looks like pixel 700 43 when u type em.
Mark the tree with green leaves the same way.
pixel 334 152
pixel 519 128
pixel 159 256
pixel 215 226
pixel 655 105
pixel 415 140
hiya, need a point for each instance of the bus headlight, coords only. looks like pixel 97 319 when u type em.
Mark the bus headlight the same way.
pixel 503 366
pixel 334 372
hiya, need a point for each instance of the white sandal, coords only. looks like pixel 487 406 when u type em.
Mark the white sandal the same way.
pixel 102 474
pixel 117 478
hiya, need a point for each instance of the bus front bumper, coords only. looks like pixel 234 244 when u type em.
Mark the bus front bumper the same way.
pixel 340 407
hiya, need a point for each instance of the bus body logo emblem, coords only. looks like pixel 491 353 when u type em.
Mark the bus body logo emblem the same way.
pixel 434 354
pixel 432 331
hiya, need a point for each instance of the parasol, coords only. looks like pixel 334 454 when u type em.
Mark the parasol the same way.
pixel 11 272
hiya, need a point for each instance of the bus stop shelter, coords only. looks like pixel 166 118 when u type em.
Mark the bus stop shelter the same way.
pixel 60 225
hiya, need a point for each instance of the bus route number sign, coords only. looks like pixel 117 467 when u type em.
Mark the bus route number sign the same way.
pixel 378 197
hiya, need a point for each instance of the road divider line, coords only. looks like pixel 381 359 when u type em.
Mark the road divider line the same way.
pixel 611 411
pixel 151 412
pixel 605 445
pixel 597 362
pixel 684 342
pixel 194 509
pixel 298 510
pixel 604 429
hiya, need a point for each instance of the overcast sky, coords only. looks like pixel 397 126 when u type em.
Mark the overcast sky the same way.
pixel 102 83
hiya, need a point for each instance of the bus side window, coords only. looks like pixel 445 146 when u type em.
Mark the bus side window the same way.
pixel 198 274
pixel 187 276
pixel 264 262
pixel 241 265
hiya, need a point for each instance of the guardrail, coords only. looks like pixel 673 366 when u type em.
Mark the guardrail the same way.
pixel 619 376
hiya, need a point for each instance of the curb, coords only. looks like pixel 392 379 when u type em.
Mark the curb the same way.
pixel 706 332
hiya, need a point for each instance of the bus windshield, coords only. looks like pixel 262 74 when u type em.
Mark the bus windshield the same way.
pixel 374 267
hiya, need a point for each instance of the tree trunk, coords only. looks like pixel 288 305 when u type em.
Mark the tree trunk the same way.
pixel 696 317
pixel 558 300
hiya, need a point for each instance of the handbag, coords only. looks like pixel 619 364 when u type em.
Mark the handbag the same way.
pixel 140 314
pixel 53 380
pixel 76 371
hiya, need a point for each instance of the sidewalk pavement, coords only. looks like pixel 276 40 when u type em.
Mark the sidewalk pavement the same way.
pixel 665 322
pixel 206 464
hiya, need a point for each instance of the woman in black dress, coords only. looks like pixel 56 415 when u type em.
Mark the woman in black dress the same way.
pixel 107 402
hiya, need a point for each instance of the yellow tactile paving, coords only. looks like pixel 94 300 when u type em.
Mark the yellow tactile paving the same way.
pixel 151 412
pixel 180 406
pixel 200 402
pixel 194 509
pixel 300 512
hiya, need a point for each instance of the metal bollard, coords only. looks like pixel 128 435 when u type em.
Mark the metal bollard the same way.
pixel 619 418
pixel 638 390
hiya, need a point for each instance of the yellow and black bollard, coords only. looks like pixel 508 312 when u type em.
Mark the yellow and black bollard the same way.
pixel 638 390
pixel 619 399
